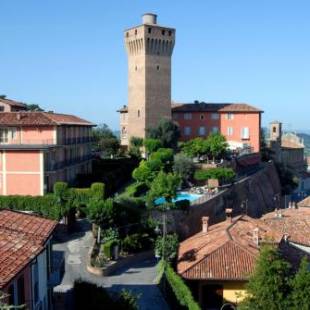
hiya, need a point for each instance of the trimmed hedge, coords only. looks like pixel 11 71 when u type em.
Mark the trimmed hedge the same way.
pixel 46 206
pixel 180 290
pixel 55 205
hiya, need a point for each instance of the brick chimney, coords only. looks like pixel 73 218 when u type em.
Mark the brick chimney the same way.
pixel 205 224
pixel 256 236
pixel 228 212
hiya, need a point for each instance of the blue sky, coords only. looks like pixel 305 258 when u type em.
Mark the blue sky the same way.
pixel 69 56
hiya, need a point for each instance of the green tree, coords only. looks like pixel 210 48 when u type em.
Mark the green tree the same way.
pixel 33 107
pixel 152 145
pixel 167 246
pixel 135 145
pixel 224 175
pixel 300 284
pixel 164 156
pixel 165 185
pixel 268 287
pixel 2 96
pixel 217 145
pixel 196 147
pixel 144 173
pixel 101 212
pixel 184 167
pixel 167 132
pixel 105 141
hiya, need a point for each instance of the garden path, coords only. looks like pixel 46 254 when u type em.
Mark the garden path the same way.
pixel 138 277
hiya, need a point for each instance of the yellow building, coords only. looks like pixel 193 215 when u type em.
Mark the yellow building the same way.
pixel 216 263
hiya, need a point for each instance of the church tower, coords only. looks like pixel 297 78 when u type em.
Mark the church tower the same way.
pixel 149 48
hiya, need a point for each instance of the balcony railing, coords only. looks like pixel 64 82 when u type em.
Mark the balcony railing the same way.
pixel 27 141
pixel 67 163
pixel 78 140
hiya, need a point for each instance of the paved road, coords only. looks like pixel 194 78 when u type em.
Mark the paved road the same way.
pixel 139 277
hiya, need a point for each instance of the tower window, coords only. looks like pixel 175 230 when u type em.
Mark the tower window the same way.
pixel 163 32
pixel 136 31
pixel 136 68
pixel 170 33
pixel 127 34
pixel 149 30
pixel 274 129
pixel 138 113
pixel 157 68
pixel 202 117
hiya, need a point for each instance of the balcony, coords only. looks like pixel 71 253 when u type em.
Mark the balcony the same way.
pixel 67 163
pixel 69 141
pixel 26 141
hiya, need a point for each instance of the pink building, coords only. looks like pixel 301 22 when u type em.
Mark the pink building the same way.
pixel 239 123
pixel 38 149
pixel 8 105
pixel 25 259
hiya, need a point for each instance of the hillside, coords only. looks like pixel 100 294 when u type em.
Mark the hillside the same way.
pixel 306 138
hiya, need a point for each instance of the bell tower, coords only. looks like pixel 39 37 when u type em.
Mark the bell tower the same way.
pixel 149 49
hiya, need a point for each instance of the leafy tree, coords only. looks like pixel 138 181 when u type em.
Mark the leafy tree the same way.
pixel 143 173
pixel 2 96
pixel 224 175
pixel 183 166
pixel 135 145
pixel 33 107
pixel 268 286
pixel 105 141
pixel 164 156
pixel 196 147
pixel 152 145
pixel 167 132
pixel 300 284
pixel 165 185
pixel 101 212
pixel 217 145
pixel 167 246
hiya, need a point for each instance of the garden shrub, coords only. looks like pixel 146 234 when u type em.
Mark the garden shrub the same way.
pixel 180 290
pixel 136 189
pixel 46 206
pixel 107 248
pixel 132 243
pixel 97 190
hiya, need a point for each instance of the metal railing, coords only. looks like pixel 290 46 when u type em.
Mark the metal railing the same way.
pixel 67 163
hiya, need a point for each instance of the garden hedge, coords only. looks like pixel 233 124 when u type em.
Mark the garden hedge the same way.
pixel 180 290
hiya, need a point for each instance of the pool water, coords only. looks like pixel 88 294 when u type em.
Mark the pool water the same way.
pixel 180 196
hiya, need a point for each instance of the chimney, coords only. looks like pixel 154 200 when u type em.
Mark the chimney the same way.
pixel 256 236
pixel 205 224
pixel 228 212
pixel 285 237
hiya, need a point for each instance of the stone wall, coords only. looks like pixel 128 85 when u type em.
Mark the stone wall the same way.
pixel 259 189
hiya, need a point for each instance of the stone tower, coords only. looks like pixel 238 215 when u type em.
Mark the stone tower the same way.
pixel 275 131
pixel 149 48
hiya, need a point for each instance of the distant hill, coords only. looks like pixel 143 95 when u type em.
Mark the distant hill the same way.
pixel 306 138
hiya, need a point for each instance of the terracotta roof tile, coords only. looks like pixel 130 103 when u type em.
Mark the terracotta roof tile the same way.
pixel 40 119
pixel 229 249
pixel 22 237
pixel 214 107
pixel 305 202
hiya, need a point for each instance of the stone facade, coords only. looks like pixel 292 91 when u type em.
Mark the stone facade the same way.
pixel 149 48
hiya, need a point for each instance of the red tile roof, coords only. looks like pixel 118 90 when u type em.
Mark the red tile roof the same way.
pixel 228 250
pixel 305 202
pixel 13 103
pixel 22 237
pixel 40 119
pixel 207 107
pixel 214 107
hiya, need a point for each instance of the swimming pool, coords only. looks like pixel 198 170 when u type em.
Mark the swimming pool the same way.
pixel 181 196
